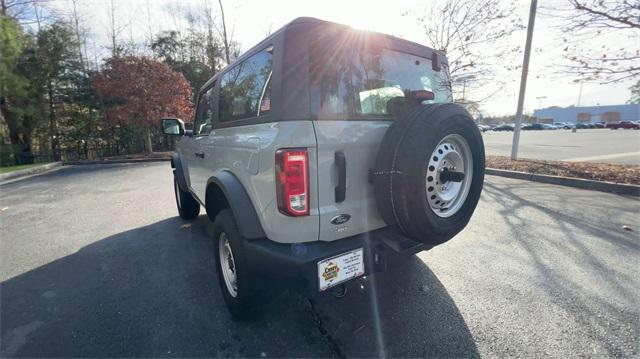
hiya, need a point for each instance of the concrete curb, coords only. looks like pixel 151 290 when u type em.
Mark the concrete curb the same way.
pixel 29 171
pixel 619 188
pixel 107 162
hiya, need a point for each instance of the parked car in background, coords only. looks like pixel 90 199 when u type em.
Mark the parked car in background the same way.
pixel 580 125
pixel 599 124
pixel 547 126
pixel 484 128
pixel 623 124
pixel 563 125
pixel 504 127
pixel 533 127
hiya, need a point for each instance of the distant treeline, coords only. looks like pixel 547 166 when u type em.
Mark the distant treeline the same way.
pixel 55 101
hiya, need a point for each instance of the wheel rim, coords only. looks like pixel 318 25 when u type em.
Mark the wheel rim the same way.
pixel 177 190
pixel 228 264
pixel 446 196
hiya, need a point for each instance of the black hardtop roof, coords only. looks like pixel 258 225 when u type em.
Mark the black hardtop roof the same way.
pixel 308 23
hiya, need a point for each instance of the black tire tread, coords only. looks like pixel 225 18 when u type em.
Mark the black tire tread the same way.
pixel 401 197
pixel 190 208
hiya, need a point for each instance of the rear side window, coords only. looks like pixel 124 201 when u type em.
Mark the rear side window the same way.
pixel 243 89
pixel 360 83
pixel 204 113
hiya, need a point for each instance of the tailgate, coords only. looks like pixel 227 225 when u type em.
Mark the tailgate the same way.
pixel 357 143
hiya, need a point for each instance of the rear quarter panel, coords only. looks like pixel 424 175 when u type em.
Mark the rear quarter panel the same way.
pixel 249 153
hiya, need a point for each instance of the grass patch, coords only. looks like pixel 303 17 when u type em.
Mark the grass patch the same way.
pixel 609 172
pixel 18 167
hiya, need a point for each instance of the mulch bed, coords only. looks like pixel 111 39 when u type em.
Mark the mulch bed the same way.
pixel 608 172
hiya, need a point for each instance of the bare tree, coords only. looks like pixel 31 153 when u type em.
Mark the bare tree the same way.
pixel 212 45
pixel 600 14
pixel 24 11
pixel 587 21
pixel 150 23
pixel 37 15
pixel 225 38
pixel 474 36
pixel 114 29
pixel 203 19
pixel 80 35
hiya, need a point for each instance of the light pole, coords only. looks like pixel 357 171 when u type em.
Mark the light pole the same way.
pixel 579 94
pixel 539 98
pixel 523 79
pixel 464 80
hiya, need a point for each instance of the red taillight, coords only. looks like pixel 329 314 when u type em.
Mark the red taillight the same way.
pixel 292 181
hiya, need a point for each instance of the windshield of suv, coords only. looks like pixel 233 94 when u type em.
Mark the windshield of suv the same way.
pixel 361 83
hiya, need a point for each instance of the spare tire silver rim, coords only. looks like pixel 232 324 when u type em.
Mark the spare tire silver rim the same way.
pixel 452 154
pixel 228 264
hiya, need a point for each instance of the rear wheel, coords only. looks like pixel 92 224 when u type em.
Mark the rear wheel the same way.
pixel 188 207
pixel 240 287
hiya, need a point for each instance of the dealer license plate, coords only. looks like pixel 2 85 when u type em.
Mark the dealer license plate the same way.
pixel 341 268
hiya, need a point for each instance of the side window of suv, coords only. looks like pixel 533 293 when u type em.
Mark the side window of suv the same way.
pixel 242 89
pixel 204 113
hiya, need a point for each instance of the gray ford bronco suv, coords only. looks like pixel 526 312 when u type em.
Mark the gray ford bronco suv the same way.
pixel 324 154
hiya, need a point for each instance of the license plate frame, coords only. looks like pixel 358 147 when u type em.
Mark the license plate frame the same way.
pixel 340 268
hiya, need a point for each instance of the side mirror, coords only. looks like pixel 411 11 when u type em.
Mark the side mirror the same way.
pixel 172 126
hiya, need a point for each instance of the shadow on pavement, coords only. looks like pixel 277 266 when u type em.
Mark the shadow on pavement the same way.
pixel 152 291
pixel 571 263
pixel 405 312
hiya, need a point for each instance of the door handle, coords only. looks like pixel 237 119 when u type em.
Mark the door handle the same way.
pixel 199 154
pixel 341 188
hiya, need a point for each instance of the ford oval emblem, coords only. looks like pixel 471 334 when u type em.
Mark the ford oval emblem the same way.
pixel 340 219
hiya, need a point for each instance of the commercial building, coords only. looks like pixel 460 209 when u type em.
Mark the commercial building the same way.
pixel 588 114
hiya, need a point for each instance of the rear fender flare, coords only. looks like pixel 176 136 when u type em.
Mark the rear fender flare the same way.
pixel 241 206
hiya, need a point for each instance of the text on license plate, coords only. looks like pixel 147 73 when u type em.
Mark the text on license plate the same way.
pixel 335 270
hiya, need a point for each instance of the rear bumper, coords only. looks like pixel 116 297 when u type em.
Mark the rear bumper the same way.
pixel 297 262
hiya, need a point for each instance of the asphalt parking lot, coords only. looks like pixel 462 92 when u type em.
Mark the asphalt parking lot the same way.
pixel 94 262
pixel 590 145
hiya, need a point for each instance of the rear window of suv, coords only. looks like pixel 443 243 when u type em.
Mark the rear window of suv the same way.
pixel 352 84
pixel 244 91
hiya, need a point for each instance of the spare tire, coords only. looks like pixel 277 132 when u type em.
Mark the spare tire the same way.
pixel 429 172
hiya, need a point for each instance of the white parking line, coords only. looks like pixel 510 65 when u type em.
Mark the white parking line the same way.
pixel 602 157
